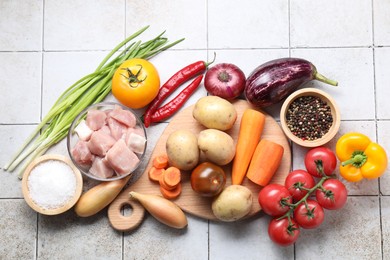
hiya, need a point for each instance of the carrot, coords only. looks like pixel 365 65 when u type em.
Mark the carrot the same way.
pixel 251 127
pixel 171 194
pixel 155 173
pixel 265 161
pixel 162 183
pixel 161 161
pixel 172 176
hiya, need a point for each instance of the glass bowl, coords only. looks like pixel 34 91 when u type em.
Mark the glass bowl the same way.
pixel 334 111
pixel 89 141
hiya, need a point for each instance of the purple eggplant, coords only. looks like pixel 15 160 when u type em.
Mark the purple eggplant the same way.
pixel 273 81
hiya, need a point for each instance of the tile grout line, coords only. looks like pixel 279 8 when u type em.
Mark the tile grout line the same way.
pixel 41 112
pixel 289 54
pixel 376 120
pixel 233 49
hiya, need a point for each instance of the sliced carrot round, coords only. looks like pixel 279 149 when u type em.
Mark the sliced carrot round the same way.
pixel 171 194
pixel 163 184
pixel 172 177
pixel 155 173
pixel 160 161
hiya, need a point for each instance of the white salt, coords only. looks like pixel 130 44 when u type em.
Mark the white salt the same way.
pixel 51 184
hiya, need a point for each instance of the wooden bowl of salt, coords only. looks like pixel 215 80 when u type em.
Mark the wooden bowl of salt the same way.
pixel 51 184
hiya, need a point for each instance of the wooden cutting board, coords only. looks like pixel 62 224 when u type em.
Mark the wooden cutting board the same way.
pixel 189 201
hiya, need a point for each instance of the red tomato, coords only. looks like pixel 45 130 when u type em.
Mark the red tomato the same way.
pixel 309 215
pixel 297 179
pixel 271 197
pixel 282 232
pixel 318 155
pixel 334 195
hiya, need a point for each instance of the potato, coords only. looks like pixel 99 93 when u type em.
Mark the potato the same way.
pixel 215 112
pixel 233 203
pixel 217 146
pixel 182 149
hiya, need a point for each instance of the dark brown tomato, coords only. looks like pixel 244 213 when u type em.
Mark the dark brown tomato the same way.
pixel 208 179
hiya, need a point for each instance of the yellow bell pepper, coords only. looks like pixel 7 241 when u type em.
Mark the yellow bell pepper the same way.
pixel 360 158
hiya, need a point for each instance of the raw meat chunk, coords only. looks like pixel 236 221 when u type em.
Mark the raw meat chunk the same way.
pixel 117 129
pixel 136 143
pixel 100 168
pixel 109 141
pixel 133 130
pixel 121 158
pixel 105 129
pixel 81 153
pixel 100 143
pixel 123 116
pixel 96 119
pixel 83 131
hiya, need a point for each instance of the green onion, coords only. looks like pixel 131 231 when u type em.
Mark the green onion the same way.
pixel 90 89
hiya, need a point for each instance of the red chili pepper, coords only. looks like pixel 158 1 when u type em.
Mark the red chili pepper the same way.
pixel 172 84
pixel 170 108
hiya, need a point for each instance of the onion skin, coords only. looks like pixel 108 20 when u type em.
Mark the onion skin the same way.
pixel 162 209
pixel 273 81
pixel 99 197
pixel 225 80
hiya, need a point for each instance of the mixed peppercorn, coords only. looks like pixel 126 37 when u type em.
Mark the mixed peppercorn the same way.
pixel 309 117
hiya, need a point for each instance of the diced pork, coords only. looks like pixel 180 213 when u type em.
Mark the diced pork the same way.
pixel 136 130
pixel 81 154
pixel 123 116
pixel 121 158
pixel 136 143
pixel 100 143
pixel 101 169
pixel 109 142
pixel 96 119
pixel 83 131
pixel 105 129
pixel 117 129
pixel 133 130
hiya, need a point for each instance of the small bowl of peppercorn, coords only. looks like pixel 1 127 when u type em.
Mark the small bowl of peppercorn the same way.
pixel 310 117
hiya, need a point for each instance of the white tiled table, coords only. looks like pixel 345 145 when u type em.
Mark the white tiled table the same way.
pixel 47 45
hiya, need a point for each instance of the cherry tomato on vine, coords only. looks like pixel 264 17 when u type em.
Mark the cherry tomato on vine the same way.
pixel 309 215
pixel 320 156
pixel 332 195
pixel 135 83
pixel 296 180
pixel 282 232
pixel 271 199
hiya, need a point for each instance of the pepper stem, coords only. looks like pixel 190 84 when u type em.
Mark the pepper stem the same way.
pixel 210 62
pixel 358 159
pixel 324 79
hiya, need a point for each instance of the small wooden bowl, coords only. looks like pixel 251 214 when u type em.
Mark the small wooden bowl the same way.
pixel 70 203
pixel 334 110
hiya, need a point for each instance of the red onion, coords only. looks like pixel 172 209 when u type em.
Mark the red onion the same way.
pixel 225 80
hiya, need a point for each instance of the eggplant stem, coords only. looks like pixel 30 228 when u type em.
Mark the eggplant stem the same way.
pixel 324 79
